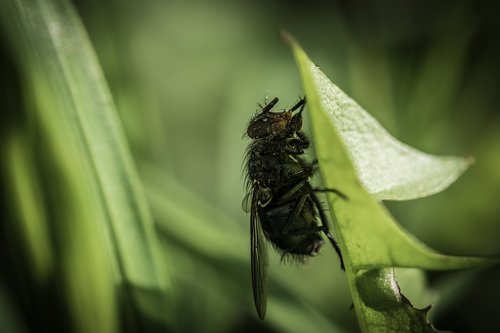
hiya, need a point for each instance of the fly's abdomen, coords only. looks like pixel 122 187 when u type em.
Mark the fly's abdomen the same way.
pixel 291 234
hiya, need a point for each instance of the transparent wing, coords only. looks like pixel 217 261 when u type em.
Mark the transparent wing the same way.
pixel 246 203
pixel 258 250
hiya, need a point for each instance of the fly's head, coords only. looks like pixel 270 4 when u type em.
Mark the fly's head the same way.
pixel 268 124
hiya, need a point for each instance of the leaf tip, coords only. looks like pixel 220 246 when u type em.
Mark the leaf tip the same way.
pixel 287 37
pixel 469 160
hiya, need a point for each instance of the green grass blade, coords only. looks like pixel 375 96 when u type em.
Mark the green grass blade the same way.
pixel 26 199
pixel 70 96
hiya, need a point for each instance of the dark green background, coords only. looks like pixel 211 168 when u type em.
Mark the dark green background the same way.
pixel 187 75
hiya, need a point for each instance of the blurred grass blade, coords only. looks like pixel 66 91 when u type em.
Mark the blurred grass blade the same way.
pixel 10 319
pixel 70 94
pixel 296 317
pixel 27 200
pixel 181 214
pixel 368 236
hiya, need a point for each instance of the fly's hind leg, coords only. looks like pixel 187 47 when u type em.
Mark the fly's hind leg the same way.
pixel 325 229
pixel 295 214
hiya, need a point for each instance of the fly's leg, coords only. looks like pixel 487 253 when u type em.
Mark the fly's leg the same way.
pixel 326 230
pixel 302 190
pixel 304 187
pixel 295 214
pixel 290 193
pixel 300 104
pixel 306 231
pixel 330 190
pixel 297 145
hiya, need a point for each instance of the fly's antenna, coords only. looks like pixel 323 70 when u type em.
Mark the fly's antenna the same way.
pixel 270 105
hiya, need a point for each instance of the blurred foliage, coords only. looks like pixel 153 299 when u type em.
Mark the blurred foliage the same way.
pixel 185 77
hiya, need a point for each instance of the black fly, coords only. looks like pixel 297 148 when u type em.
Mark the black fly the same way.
pixel 284 207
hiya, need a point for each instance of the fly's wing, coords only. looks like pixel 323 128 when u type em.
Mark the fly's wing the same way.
pixel 259 260
pixel 246 203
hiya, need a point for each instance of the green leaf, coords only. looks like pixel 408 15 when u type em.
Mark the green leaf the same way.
pixel 387 168
pixel 383 308
pixel 413 283
pixel 350 145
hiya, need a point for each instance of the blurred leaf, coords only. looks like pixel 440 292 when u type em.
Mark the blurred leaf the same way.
pixel 181 214
pixel 50 39
pixel 27 198
pixel 105 223
pixel 10 319
pixel 292 317
pixel 369 238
